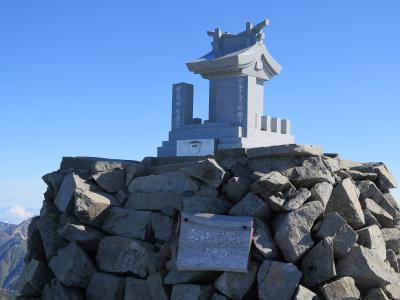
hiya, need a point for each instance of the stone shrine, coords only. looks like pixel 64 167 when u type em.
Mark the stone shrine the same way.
pixel 236 68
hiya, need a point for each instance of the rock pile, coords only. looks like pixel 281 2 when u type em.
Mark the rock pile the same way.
pixel 324 227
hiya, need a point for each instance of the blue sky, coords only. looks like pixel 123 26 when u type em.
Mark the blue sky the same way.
pixel 94 78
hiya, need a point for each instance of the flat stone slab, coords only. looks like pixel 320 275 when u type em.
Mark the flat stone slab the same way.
pixel 214 243
pixel 285 150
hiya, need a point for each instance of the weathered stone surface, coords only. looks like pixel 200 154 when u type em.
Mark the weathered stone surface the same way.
pixel 162 227
pixel 134 171
pixel 92 165
pixel 393 288
pixel 263 240
pixel 207 171
pixel 236 285
pixel 125 256
pixel 285 150
pixel 217 296
pixel 342 288
pixel 35 248
pixel 383 217
pixel 293 235
pixel 275 201
pixel 271 182
pixel 85 236
pixel 344 200
pixel 376 294
pixel 318 264
pixel 175 276
pixel 392 200
pixel 92 207
pixel 251 205
pixel 56 290
pixel 277 280
pixel 344 237
pixel 205 204
pixel 312 172
pixel 296 199
pixel 392 260
pixel 31 281
pixel 191 292
pixel 360 176
pixel 121 196
pixel 111 181
pixel 103 286
pixel 136 289
pixel 265 165
pixel 305 294
pixel 371 237
pixel 236 188
pixel 177 182
pixel 370 272
pixel 214 242
pixel 385 179
pixel 157 289
pixel 72 266
pixel 321 192
pixel 370 219
pixel 52 241
pixel 64 197
pixel 392 239
pixel 154 201
pixel 128 223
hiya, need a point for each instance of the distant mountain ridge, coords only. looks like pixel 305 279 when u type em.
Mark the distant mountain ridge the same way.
pixel 13 245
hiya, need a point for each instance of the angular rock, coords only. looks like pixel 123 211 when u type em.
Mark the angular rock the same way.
pixel 305 294
pixel 376 294
pixel 136 289
pixel 251 205
pixel 312 172
pixel 217 296
pixel 56 290
pixel 236 188
pixel 277 280
pixel 72 260
pixel 154 201
pixel 123 255
pixel 35 248
pixel 343 288
pixel 157 288
pixel 103 286
pixel 34 276
pixel 64 197
pixel 285 150
pixel 271 182
pixel 360 176
pixel 275 201
pixel 392 260
pixel 207 171
pixel 383 217
pixel 134 171
pixel 205 204
pixel 393 288
pixel 344 200
pixel 177 182
pixel 162 227
pixel 121 196
pixel 318 264
pixel 293 235
pixel 92 165
pixel 370 219
pixel 111 181
pixel 191 292
pixel 370 272
pixel 392 239
pixel 386 179
pixel 88 238
pixel 52 241
pixel 263 240
pixel 92 207
pixel 344 237
pixel 175 276
pixel 321 192
pixel 371 237
pixel 128 223
pixel 236 285
pixel 296 199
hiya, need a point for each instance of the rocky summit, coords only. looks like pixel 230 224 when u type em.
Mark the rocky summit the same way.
pixel 317 227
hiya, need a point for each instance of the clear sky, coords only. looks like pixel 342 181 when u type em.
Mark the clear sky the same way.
pixel 94 78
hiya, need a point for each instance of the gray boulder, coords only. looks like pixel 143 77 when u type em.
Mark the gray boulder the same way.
pixel 103 286
pixel 296 199
pixel 344 200
pixel 263 240
pixel 305 294
pixel 136 289
pixel 318 264
pixel 157 288
pixel 376 294
pixel 236 188
pixel 64 197
pixel 393 288
pixel 360 176
pixel 56 290
pixel 174 276
pixel 370 219
pixel 72 260
pixel 277 280
pixel 162 227
pixel 392 260
pixel 383 217
pixel 128 223
pixel 392 239
pixel 371 237
pixel 293 235
pixel 321 192
pixel 207 171
pixel 342 288
pixel 205 204
pixel 52 241
pixel 217 296
pixel 134 171
pixel 34 276
pixel 291 150
pixel 370 271
pixel 312 172
pixel 111 181
pixel 251 205
pixel 154 201
pixel 191 292
pixel 236 285
pixel 271 182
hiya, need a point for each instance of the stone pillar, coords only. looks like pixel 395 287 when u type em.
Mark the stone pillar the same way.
pixel 182 105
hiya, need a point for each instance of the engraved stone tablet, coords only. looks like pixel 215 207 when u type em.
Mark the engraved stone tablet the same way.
pixel 214 242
